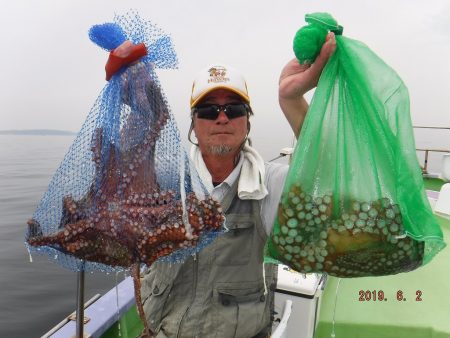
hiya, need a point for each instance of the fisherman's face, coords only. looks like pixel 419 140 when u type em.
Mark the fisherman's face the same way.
pixel 222 135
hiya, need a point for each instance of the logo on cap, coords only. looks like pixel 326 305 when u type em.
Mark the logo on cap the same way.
pixel 218 74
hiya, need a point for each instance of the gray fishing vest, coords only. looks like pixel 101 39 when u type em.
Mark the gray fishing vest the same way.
pixel 220 291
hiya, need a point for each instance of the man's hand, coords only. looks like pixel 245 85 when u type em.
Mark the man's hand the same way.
pixel 297 79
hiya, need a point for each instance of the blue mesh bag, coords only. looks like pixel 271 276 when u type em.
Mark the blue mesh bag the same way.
pixel 126 192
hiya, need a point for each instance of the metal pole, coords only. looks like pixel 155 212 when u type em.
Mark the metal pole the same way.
pixel 80 304
pixel 426 162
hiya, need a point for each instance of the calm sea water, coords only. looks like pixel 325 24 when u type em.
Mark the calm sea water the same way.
pixel 33 296
pixel 36 296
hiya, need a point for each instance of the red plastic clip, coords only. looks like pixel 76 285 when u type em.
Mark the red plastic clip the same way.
pixel 123 55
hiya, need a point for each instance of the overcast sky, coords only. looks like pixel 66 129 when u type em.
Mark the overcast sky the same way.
pixel 52 73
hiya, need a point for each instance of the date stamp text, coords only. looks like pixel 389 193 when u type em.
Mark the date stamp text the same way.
pixel 380 296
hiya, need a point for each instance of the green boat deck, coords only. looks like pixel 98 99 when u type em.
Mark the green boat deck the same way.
pixel 416 305
pixel 129 326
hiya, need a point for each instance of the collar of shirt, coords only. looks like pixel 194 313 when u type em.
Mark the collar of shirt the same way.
pixel 220 191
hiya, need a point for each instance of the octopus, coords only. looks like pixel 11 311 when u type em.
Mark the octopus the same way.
pixel 125 219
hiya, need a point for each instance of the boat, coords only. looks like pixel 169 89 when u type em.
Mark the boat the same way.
pixel 413 304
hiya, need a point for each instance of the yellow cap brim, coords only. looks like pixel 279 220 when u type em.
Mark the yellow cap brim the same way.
pixel 195 101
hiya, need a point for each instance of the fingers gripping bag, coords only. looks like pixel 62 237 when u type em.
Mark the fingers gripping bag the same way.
pixel 353 203
pixel 126 193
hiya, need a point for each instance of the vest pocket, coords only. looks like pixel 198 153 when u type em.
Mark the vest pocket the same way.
pixel 242 312
pixel 154 294
pixel 235 246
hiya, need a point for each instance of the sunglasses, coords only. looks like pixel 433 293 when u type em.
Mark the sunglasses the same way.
pixel 212 111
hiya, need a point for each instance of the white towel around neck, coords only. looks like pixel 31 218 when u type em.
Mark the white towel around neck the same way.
pixel 251 180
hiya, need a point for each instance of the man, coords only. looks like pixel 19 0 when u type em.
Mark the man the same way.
pixel 225 290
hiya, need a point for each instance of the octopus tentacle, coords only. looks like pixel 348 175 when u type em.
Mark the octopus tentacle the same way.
pixel 135 272
pixel 69 232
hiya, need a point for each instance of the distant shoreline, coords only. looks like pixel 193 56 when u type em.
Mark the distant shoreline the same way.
pixel 42 132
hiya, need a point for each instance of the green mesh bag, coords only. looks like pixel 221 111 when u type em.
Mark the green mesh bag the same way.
pixel 353 203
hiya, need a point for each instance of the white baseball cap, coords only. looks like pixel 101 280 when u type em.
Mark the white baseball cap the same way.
pixel 218 76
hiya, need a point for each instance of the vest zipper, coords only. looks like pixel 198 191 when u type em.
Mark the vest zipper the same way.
pixel 194 290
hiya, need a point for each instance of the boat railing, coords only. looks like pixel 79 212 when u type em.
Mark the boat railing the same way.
pixel 289 150
pixel 425 162
pixel 428 150
pixel 71 317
